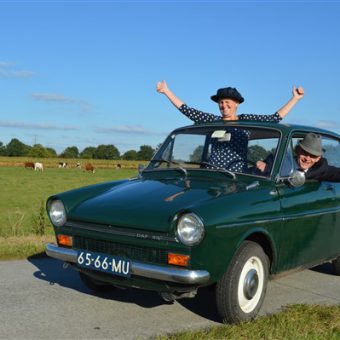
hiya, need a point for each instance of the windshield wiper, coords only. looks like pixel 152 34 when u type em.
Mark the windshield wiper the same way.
pixel 225 171
pixel 162 160
pixel 179 168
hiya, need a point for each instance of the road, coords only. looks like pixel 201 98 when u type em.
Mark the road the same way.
pixel 42 300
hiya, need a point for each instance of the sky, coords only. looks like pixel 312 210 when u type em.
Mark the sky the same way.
pixel 84 73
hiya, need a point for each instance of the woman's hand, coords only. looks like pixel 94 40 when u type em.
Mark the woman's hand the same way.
pixel 162 87
pixel 298 92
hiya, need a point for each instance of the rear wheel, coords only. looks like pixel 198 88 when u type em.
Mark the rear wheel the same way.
pixel 241 290
pixel 336 266
pixel 94 284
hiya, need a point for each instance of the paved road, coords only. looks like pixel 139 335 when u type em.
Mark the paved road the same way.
pixel 41 300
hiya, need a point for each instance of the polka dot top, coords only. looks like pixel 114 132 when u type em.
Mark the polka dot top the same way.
pixel 231 155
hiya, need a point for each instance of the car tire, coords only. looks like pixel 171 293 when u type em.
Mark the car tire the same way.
pixel 241 290
pixel 94 284
pixel 336 266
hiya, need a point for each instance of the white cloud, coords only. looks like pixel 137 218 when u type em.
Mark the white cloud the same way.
pixel 5 64
pixel 7 71
pixel 58 98
pixel 129 129
pixel 328 124
pixel 34 126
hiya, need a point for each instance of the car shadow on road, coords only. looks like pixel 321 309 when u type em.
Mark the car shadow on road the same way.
pixel 203 304
pixel 325 268
pixel 53 271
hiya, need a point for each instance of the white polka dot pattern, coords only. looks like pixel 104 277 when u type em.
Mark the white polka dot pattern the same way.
pixel 231 155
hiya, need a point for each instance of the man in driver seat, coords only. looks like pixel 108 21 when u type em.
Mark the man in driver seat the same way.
pixel 308 156
pixel 309 159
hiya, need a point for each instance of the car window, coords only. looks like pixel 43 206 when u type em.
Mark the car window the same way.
pixel 238 148
pixel 288 164
pixel 331 147
pixel 331 150
pixel 188 149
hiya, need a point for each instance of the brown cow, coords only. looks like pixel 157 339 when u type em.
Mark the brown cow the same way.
pixel 29 165
pixel 90 167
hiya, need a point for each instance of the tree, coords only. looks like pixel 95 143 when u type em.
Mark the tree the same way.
pixel 2 149
pixel 38 150
pixel 130 155
pixel 145 153
pixel 15 148
pixel 106 152
pixel 196 156
pixel 70 152
pixel 257 152
pixel 88 152
pixel 51 153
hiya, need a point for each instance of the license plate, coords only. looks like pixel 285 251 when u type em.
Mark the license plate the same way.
pixel 104 263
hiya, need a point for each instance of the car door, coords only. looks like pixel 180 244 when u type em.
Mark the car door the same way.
pixel 331 146
pixel 310 229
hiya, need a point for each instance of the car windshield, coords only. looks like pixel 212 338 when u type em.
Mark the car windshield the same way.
pixel 231 149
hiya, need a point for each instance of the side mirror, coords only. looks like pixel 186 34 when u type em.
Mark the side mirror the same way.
pixel 297 178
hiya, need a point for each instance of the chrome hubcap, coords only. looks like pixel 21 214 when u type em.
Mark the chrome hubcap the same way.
pixel 251 283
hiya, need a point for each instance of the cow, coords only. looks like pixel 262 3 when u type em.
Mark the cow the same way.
pixel 78 165
pixel 38 166
pixel 29 165
pixel 62 165
pixel 90 167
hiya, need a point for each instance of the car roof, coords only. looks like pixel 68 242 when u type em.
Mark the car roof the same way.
pixel 284 128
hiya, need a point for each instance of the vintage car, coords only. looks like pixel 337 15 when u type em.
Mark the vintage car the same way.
pixel 184 223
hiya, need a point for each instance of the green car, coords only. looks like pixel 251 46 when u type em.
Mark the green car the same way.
pixel 184 222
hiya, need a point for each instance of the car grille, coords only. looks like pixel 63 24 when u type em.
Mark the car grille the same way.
pixel 143 254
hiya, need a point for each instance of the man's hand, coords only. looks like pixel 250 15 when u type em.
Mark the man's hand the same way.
pixel 261 165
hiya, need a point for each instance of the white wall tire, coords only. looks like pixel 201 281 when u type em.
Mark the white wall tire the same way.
pixel 241 290
pixel 250 284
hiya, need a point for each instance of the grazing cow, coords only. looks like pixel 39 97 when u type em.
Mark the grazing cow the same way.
pixel 90 167
pixel 29 165
pixel 78 165
pixel 38 167
pixel 62 165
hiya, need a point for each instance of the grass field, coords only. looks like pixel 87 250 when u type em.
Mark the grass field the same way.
pixel 53 162
pixel 23 193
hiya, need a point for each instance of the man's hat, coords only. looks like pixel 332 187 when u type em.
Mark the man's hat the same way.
pixel 227 93
pixel 312 144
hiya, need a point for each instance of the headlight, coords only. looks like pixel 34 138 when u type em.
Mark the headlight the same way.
pixel 57 213
pixel 190 229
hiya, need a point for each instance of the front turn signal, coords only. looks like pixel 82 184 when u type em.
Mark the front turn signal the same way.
pixel 178 259
pixel 65 240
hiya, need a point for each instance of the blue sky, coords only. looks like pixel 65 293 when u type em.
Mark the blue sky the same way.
pixel 84 73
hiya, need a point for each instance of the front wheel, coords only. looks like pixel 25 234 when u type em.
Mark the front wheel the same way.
pixel 241 290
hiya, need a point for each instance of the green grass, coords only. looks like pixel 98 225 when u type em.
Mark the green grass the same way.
pixel 24 191
pixel 293 323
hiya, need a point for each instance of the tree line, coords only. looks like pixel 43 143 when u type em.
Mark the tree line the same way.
pixel 15 148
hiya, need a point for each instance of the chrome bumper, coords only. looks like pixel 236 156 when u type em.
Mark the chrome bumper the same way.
pixel 172 274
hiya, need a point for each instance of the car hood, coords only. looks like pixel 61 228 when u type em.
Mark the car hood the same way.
pixel 147 203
